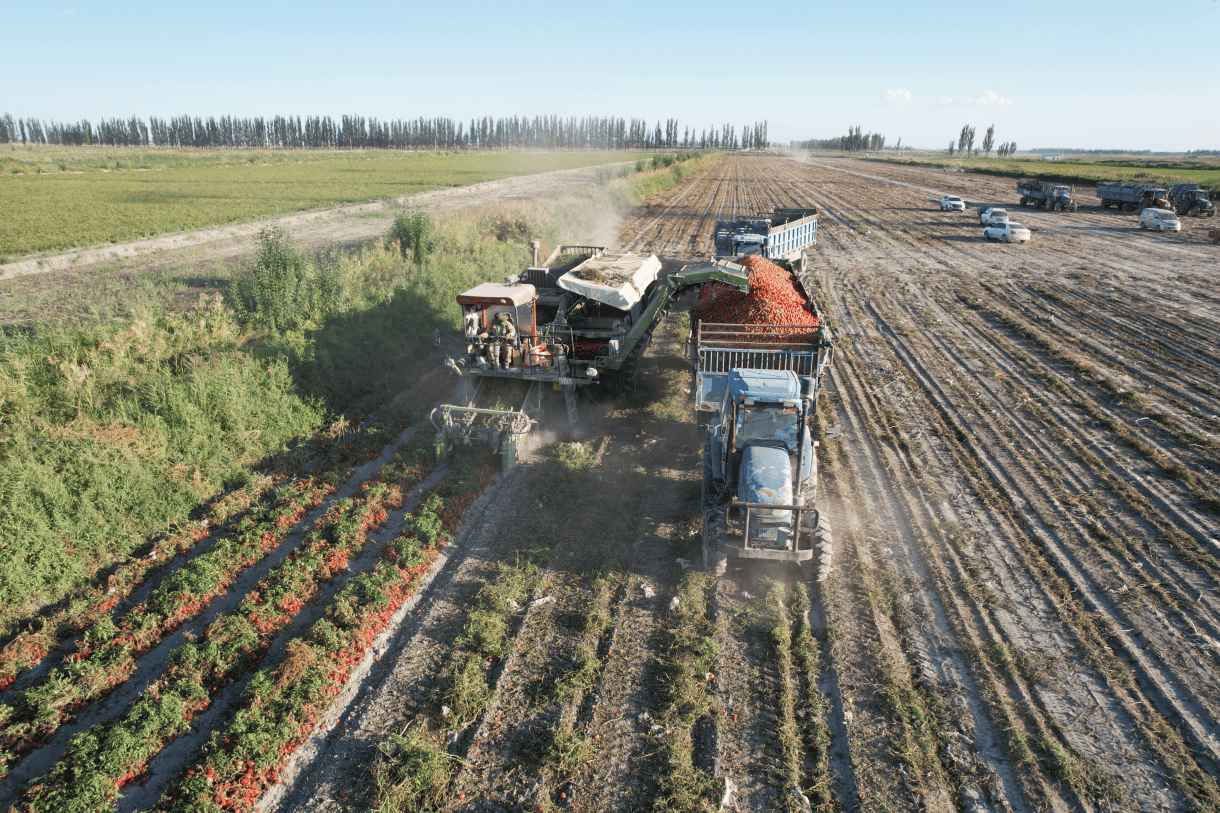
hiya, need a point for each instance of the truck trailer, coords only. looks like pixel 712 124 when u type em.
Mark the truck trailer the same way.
pixel 1045 195
pixel 781 235
pixel 1133 197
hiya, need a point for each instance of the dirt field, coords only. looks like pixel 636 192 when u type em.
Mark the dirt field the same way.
pixel 1023 613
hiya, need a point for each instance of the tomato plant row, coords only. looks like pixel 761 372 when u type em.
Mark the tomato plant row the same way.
pixel 282 704
pixel 109 651
pixel 42 633
pixel 100 761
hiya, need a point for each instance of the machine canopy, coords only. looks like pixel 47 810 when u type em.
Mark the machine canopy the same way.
pixel 619 281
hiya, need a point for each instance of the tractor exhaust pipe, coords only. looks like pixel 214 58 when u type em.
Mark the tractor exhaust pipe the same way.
pixel 534 246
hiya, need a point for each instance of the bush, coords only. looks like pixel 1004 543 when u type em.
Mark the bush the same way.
pixel 286 289
pixel 413 232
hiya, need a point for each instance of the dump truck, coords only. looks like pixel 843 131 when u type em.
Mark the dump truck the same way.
pixel 1045 195
pixel 1133 197
pixel 1189 199
pixel 782 234
pixel 581 321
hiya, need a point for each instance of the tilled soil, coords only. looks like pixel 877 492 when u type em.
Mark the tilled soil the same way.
pixel 1024 495
pixel 1023 611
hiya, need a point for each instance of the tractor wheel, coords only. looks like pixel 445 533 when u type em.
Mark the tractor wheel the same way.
pixel 715 560
pixel 705 493
pixel 818 568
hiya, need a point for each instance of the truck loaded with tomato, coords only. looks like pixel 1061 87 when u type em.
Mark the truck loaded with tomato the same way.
pixel 759 357
pixel 758 373
pixel 580 322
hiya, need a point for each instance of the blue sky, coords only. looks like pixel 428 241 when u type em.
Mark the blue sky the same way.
pixel 1046 74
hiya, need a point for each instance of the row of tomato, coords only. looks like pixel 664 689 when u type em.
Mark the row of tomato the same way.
pixel 101 760
pixel 282 704
pixel 109 651
pixel 41 634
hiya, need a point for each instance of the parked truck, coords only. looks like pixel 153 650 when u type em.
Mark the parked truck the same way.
pixel 1133 197
pixel 580 323
pixel 1189 199
pixel 1045 195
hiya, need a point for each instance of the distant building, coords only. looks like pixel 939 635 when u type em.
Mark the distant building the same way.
pixel 1054 157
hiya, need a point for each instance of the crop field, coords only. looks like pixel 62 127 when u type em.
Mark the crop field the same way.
pixel 1022 613
pixel 1203 170
pixel 123 194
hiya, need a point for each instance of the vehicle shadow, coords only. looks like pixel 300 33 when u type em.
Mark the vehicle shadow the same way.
pixel 355 357
pixel 1104 228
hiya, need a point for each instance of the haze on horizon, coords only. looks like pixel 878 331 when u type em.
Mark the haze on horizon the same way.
pixel 1047 75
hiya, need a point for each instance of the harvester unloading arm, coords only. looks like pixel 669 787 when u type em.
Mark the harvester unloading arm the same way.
pixel 718 271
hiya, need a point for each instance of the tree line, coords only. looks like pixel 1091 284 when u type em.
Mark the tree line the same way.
pixel 854 141
pixel 965 143
pixel 359 132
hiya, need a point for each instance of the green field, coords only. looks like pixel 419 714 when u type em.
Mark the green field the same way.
pixel 55 198
pixel 1167 170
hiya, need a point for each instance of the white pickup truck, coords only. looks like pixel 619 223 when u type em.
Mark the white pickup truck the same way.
pixel 993 215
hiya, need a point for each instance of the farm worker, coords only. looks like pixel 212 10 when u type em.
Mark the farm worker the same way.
pixel 502 335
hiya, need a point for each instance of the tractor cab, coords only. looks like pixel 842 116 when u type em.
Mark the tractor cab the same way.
pixel 481 306
pixel 746 244
pixel 758 428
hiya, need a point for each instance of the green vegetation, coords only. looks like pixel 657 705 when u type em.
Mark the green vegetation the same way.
pixel 686 657
pixel 114 431
pixel 1085 170
pixel 138 193
pixel 111 432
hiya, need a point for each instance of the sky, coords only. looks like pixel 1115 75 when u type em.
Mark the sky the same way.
pixel 1075 74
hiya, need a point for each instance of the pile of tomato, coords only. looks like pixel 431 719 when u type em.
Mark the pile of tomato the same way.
pixel 774 299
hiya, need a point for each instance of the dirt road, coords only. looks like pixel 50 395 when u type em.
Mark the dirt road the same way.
pixel 1023 614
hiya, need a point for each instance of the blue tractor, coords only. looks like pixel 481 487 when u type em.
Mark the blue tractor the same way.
pixel 756 389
